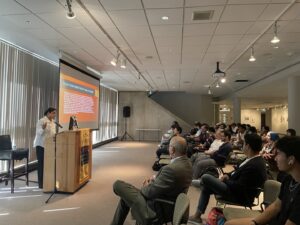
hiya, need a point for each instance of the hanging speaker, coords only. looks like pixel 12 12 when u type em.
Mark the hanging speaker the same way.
pixel 126 111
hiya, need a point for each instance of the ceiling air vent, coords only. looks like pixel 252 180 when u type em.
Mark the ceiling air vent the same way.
pixel 241 81
pixel 202 15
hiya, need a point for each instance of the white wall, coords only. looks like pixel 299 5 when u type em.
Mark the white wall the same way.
pixel 252 117
pixel 279 120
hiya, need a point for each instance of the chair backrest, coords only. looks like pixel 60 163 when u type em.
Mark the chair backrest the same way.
pixel 5 142
pixel 271 191
pixel 181 210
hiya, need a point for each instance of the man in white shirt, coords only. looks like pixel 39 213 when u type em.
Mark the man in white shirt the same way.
pixel 45 128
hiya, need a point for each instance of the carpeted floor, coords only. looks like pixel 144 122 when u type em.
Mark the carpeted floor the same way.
pixel 95 203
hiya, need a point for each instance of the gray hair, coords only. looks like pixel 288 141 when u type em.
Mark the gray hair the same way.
pixel 179 144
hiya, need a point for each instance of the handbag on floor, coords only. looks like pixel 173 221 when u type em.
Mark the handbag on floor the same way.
pixel 215 217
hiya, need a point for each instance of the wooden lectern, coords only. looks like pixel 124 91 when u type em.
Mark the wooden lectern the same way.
pixel 73 160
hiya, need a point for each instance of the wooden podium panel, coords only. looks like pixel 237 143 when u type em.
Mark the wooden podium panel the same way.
pixel 73 160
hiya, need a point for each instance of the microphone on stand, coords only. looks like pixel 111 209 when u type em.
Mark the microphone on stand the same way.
pixel 60 126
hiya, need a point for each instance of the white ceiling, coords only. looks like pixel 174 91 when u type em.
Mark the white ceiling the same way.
pixel 173 55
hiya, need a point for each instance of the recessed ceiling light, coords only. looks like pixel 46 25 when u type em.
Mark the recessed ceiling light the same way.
pixel 276 46
pixel 164 17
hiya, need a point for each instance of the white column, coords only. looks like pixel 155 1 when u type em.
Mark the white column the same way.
pixel 294 103
pixel 236 103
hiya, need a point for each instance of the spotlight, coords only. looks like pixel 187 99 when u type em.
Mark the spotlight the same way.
pixel 252 58
pixel 209 91
pixel 275 39
pixel 217 85
pixel 123 63
pixel 223 80
pixel 115 60
pixel 70 14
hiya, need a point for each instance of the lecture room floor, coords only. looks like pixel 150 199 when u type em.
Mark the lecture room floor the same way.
pixel 95 203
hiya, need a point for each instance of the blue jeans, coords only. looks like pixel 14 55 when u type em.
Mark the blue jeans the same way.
pixel 211 185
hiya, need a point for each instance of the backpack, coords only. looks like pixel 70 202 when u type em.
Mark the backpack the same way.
pixel 215 217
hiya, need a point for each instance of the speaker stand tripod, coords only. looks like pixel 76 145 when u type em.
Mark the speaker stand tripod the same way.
pixel 125 135
pixel 54 191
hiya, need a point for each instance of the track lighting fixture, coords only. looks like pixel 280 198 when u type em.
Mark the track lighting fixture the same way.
pixel 218 74
pixel 252 58
pixel 115 60
pixel 275 39
pixel 123 63
pixel 70 14
pixel 209 91
pixel 217 85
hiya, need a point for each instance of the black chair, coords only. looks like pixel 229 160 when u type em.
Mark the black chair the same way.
pixel 10 155
pixel 248 203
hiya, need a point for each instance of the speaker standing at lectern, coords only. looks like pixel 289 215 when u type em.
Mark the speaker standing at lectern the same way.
pixel 45 128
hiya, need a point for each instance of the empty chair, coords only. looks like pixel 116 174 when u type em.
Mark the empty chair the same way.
pixel 181 210
pixel 10 155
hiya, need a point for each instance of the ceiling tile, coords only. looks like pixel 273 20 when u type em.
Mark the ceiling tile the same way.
pixel 199 29
pixel 167 31
pixel 41 6
pixel 225 39
pixel 121 5
pixel 9 7
pixel 189 3
pixel 242 12
pixel 196 40
pixel 167 41
pixel 248 2
pixel 229 28
pixel 25 21
pixel 220 48
pixel 129 18
pixel 272 11
pixel 154 4
pixel 292 13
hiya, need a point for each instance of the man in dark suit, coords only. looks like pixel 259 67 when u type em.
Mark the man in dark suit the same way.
pixel 238 186
pixel 170 181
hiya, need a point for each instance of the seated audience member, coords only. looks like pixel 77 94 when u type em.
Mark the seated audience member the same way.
pixel 213 147
pixel 240 185
pixel 240 136
pixel 169 134
pixel 264 132
pixel 170 181
pixel 216 159
pixel 193 148
pixel 233 129
pixel 290 132
pixel 163 149
pixel 198 126
pixel 252 130
pixel 285 210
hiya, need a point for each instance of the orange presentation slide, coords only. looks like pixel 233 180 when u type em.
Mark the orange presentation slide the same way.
pixel 78 98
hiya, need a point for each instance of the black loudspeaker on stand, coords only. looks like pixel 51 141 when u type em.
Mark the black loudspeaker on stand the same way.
pixel 126 114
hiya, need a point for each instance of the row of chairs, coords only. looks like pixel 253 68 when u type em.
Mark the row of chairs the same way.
pixel 10 155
